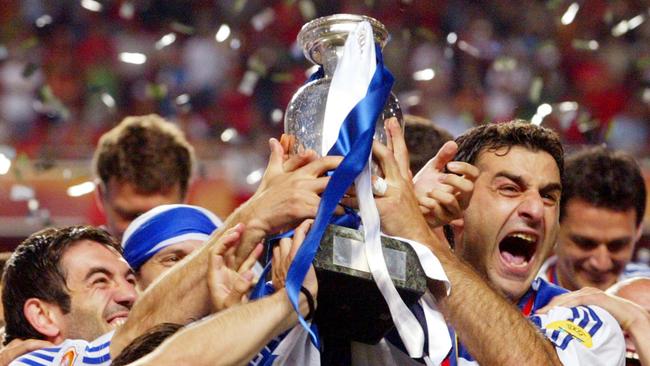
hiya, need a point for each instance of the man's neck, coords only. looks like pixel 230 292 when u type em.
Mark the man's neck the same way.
pixel 562 279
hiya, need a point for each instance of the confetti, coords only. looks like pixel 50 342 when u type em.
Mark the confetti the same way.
pixel 535 91
pixel 5 164
pixel 43 21
pixel 424 75
pixel 307 9
pixel 248 83
pixel 91 5
pixel 182 28
pixel 165 41
pixel 570 14
pixel 585 45
pixel 223 33
pixel 134 58
pixel 127 10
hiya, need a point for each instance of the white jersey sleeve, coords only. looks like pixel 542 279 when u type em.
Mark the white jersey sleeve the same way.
pixel 583 335
pixel 72 352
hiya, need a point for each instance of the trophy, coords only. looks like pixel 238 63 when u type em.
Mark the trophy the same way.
pixel 350 305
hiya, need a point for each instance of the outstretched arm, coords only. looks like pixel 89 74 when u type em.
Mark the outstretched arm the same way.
pixel 287 195
pixel 19 347
pixel 234 336
pixel 632 318
pixel 492 329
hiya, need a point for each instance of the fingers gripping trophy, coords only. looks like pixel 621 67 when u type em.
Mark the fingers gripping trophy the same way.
pixel 338 112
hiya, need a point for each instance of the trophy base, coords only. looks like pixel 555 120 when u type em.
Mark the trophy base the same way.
pixel 350 305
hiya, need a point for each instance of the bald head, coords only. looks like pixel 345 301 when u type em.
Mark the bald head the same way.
pixel 636 289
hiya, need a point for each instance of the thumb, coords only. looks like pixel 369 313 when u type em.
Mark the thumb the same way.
pixel 276 157
pixel 429 175
pixel 444 155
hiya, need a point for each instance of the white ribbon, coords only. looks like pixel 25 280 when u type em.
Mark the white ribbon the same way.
pixel 349 85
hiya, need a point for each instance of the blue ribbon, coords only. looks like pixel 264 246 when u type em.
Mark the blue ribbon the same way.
pixel 355 143
pixel 350 219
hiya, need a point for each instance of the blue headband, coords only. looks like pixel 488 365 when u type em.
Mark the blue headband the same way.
pixel 164 226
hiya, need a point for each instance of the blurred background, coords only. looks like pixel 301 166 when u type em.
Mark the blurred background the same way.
pixel 225 70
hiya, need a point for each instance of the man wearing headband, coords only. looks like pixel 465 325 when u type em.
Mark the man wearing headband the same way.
pixel 164 235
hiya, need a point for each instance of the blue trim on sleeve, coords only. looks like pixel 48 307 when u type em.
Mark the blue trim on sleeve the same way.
pixel 51 349
pixel 596 318
pixel 29 362
pixel 42 356
pixel 585 318
pixel 96 360
pixel 98 348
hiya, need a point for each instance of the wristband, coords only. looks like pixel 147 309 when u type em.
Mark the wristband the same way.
pixel 310 302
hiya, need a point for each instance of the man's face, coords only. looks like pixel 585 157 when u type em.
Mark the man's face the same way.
pixel 511 222
pixel 594 245
pixel 162 261
pixel 123 203
pixel 102 290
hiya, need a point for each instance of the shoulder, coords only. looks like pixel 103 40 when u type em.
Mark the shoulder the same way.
pixel 583 335
pixel 633 269
pixel 72 352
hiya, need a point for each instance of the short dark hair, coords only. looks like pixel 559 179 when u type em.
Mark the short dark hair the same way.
pixel 423 140
pixel 147 152
pixel 604 178
pixel 4 257
pixel 494 136
pixel 145 343
pixel 34 271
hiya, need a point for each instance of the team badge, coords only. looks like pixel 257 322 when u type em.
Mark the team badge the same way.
pixel 572 329
pixel 68 357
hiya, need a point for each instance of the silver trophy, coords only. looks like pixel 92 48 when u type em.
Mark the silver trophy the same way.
pixel 350 306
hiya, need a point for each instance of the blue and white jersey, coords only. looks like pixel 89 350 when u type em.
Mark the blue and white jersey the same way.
pixel 72 352
pixel 583 335
pixel 548 272
pixel 292 347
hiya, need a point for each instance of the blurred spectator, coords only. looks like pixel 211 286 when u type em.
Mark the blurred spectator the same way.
pixel 142 163
pixel 601 210
pixel 423 140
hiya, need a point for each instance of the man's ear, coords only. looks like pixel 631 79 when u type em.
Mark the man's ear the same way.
pixel 99 194
pixel 44 317
pixel 638 234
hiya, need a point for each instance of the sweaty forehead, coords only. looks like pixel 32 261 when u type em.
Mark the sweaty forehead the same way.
pixel 521 161
pixel 85 255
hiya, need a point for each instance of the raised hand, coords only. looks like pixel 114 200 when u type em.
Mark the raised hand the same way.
pixel 443 196
pixel 398 206
pixel 229 284
pixel 283 255
pixel 625 311
pixel 288 194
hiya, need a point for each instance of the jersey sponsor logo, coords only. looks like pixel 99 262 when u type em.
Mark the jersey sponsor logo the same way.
pixel 68 357
pixel 572 329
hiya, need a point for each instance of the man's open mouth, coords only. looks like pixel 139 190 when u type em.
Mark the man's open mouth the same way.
pixel 117 320
pixel 517 251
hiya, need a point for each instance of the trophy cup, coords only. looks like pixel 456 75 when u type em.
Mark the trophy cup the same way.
pixel 350 305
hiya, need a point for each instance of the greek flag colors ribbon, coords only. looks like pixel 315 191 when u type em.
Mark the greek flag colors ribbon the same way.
pixel 364 97
pixel 358 92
